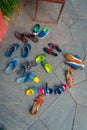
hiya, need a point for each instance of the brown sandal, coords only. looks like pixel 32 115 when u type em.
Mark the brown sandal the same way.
pixel 32 37
pixel 69 78
pixel 21 36
pixel 37 103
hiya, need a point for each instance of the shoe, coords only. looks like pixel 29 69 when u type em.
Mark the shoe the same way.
pixel 12 65
pixel 12 50
pixel 40 58
pixel 31 91
pixel 43 33
pixel 75 65
pixel 36 29
pixel 73 58
pixel 46 66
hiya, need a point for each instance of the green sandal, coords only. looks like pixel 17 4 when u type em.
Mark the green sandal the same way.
pixel 40 58
pixel 46 66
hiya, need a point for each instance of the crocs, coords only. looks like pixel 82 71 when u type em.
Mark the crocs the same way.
pixel 40 58
pixel 25 50
pixel 12 65
pixel 43 33
pixel 46 66
pixel 12 50
pixel 36 29
pixel 31 91
pixel 36 79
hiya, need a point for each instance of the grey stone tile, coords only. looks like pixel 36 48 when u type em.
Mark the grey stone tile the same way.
pixel 80 121
pixel 60 113
pixel 79 93
pixel 37 125
pixel 14 117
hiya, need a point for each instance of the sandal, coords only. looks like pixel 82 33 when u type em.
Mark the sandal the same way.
pixel 32 37
pixel 69 78
pixel 46 66
pixel 25 50
pixel 21 36
pixel 60 89
pixel 55 46
pixel 40 58
pixel 49 51
pixel 37 103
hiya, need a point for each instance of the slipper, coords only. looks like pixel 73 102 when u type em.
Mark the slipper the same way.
pixel 40 58
pixel 55 46
pixel 49 51
pixel 37 103
pixel 27 78
pixel 47 90
pixel 31 91
pixel 43 33
pixel 73 58
pixel 69 78
pixel 12 65
pixel 75 65
pixel 12 49
pixel 36 29
pixel 60 89
pixel 46 66
pixel 36 79
pixel 21 37
pixel 25 50
pixel 32 37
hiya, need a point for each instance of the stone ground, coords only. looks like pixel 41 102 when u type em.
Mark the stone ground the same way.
pixel 67 111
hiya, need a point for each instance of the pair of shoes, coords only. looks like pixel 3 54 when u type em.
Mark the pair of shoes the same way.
pixel 69 78
pixel 74 61
pixel 42 58
pixel 15 46
pixel 23 37
pixel 52 47
pixel 46 91
pixel 30 76
pixel 36 104
pixel 40 34
pixel 26 66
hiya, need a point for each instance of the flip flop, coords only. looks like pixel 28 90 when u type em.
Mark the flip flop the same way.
pixel 47 90
pixel 31 91
pixel 46 66
pixel 43 33
pixel 69 78
pixel 21 37
pixel 73 58
pixel 31 37
pixel 41 91
pixel 49 51
pixel 36 29
pixel 27 78
pixel 12 65
pixel 37 103
pixel 25 50
pixel 11 50
pixel 55 46
pixel 75 65
pixel 40 58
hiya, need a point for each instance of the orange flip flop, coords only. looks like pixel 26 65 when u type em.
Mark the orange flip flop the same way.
pixel 69 78
pixel 37 103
